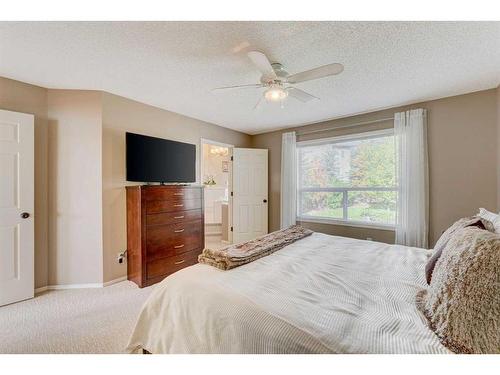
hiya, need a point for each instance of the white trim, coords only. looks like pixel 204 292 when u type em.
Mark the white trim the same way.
pixel 341 189
pixel 230 198
pixel 74 286
pixel 68 286
pixel 210 142
pixel 355 224
pixel 114 281
pixel 41 290
pixel 79 286
pixel 348 137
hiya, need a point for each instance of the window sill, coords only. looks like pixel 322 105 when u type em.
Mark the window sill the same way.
pixel 355 224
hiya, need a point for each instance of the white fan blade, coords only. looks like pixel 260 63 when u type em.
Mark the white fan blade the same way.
pixel 262 63
pixel 300 95
pixel 256 85
pixel 322 71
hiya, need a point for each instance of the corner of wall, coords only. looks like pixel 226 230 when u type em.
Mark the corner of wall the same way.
pixel 498 147
pixel 75 187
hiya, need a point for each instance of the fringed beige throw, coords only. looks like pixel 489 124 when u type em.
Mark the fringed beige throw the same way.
pixel 246 252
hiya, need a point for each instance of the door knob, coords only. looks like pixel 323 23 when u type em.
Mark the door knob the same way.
pixel 25 215
pixel 265 201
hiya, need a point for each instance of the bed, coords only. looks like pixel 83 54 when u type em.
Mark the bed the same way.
pixel 321 294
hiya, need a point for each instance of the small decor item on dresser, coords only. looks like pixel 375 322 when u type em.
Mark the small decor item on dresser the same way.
pixel 462 303
pixel 243 253
pixel 209 181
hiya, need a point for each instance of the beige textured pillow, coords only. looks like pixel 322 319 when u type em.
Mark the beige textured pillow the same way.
pixel 462 303
pixel 492 217
pixel 446 236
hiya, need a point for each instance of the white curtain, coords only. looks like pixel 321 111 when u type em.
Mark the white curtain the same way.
pixel 288 179
pixel 412 222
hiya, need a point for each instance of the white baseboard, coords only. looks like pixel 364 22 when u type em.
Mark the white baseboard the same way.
pixel 41 290
pixel 67 286
pixel 79 286
pixel 118 280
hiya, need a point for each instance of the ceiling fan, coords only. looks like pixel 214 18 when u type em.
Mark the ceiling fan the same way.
pixel 278 82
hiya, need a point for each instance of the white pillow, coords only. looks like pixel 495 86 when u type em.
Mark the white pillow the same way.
pixel 491 217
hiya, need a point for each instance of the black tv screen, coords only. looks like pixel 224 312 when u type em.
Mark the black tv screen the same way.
pixel 151 159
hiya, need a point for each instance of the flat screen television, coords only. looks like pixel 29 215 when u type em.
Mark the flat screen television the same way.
pixel 151 159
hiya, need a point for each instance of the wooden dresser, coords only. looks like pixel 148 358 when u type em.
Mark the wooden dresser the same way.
pixel 165 230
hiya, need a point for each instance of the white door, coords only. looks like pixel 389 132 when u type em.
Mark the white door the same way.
pixel 249 194
pixel 16 207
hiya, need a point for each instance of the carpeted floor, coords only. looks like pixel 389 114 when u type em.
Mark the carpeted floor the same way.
pixel 72 321
pixel 214 242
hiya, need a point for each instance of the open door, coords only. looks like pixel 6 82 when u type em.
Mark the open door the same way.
pixel 215 168
pixel 16 207
pixel 249 193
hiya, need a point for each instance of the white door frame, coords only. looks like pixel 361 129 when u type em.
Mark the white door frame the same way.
pixel 230 179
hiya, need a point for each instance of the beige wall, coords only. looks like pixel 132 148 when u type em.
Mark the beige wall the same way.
pixel 119 116
pixel 463 161
pixel 498 147
pixel 22 97
pixel 75 181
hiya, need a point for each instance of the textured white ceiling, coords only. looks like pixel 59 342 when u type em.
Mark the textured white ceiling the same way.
pixel 174 65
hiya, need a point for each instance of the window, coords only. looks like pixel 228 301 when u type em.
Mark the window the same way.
pixel 349 179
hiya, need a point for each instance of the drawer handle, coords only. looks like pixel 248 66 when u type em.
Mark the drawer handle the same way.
pixel 179 246
pixel 179 261
pixel 178 205
pixel 179 231
pixel 178 193
pixel 179 217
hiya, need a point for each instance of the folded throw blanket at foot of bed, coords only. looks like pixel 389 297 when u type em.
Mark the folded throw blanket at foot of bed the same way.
pixel 237 255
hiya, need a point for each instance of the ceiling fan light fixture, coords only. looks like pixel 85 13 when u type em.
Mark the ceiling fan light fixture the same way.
pixel 275 94
pixel 278 82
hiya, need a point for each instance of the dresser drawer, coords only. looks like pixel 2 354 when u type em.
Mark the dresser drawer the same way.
pixel 173 217
pixel 167 266
pixel 172 205
pixel 173 239
pixel 162 193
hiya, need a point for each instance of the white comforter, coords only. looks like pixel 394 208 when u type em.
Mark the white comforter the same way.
pixel 322 294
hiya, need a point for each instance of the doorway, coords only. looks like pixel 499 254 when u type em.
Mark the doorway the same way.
pixel 215 175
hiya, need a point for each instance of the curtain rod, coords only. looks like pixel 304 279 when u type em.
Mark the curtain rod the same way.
pixel 343 126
